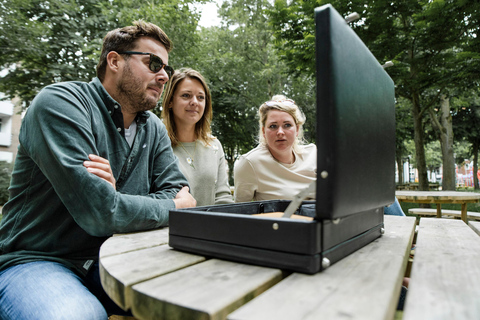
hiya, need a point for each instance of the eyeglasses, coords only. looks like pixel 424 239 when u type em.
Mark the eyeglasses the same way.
pixel 288 102
pixel 156 63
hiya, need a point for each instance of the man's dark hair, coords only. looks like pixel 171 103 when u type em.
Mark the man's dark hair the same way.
pixel 123 39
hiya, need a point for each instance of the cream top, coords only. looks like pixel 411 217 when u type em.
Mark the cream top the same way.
pixel 259 176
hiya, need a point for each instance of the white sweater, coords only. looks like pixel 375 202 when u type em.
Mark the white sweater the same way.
pixel 206 174
pixel 259 176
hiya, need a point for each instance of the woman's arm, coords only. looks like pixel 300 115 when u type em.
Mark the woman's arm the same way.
pixel 245 181
pixel 223 194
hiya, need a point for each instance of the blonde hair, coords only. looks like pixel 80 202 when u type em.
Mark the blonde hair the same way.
pixel 203 129
pixel 282 103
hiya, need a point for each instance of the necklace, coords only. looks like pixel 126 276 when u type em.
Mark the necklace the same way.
pixel 190 158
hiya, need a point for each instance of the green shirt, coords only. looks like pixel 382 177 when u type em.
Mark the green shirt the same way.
pixel 58 211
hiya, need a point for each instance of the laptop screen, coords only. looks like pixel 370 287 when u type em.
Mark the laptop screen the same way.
pixel 355 122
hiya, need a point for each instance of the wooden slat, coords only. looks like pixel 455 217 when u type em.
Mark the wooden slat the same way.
pixel 121 243
pixel 127 259
pixel 437 196
pixel 364 285
pixel 445 277
pixel 475 225
pixel 120 272
pixel 208 290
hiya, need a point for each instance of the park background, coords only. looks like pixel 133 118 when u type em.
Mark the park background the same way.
pixel 255 49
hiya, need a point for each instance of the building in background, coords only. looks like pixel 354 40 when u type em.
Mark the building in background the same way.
pixel 10 121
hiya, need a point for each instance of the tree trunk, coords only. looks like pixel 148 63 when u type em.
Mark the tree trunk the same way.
pixel 418 133
pixel 445 135
pixel 401 179
pixel 230 157
pixel 475 164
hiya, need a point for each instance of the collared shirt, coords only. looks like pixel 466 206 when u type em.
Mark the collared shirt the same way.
pixel 57 209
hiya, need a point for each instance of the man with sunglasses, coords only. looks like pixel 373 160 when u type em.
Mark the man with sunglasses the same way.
pixel 92 161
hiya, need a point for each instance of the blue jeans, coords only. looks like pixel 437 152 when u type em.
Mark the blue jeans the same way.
pixel 49 290
pixel 394 209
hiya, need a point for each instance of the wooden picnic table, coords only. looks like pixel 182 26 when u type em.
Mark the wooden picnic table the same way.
pixel 414 186
pixel 440 197
pixel 140 272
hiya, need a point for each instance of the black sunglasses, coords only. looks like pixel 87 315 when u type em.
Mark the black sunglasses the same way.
pixel 156 63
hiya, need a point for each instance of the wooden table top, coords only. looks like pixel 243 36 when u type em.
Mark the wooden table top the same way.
pixel 445 277
pixel 445 196
pixel 142 273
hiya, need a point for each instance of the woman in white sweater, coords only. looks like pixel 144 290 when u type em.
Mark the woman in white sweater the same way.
pixel 281 166
pixel 187 114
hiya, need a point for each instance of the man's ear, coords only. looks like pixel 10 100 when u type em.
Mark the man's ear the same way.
pixel 114 61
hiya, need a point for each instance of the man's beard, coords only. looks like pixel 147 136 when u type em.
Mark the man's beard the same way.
pixel 133 96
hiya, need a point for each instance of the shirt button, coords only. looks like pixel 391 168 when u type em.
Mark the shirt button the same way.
pixel 119 129
pixel 116 106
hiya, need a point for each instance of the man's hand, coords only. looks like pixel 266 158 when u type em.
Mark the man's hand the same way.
pixel 184 199
pixel 101 168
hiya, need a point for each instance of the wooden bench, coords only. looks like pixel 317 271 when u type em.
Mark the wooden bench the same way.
pixel 422 212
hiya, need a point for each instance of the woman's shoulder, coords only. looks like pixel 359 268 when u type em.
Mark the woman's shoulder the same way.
pixel 249 160
pixel 212 143
pixel 259 156
pixel 215 142
pixel 307 151
pixel 308 148
pixel 258 151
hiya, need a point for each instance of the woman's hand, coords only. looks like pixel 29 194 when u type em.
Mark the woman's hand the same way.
pixel 101 168
pixel 184 199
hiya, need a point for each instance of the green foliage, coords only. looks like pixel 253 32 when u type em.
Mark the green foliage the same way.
pixel 433 154
pixel 466 119
pixel 178 18
pixel 43 42
pixel 463 150
pixel 404 127
pixel 48 41
pixel 294 30
pixel 427 40
pixel 5 175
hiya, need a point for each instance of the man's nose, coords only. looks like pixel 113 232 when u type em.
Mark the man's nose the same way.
pixel 161 76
